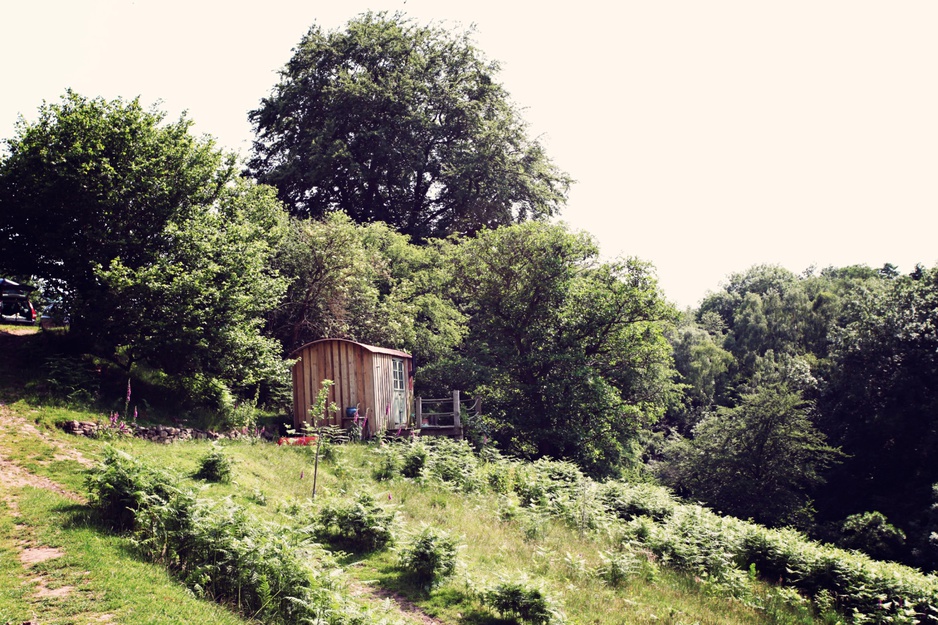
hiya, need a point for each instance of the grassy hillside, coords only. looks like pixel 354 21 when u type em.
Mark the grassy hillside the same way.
pixel 274 484
pixel 600 553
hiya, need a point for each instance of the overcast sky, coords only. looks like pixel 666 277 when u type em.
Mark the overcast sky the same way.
pixel 705 136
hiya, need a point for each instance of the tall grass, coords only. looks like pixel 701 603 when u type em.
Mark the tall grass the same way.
pixel 96 577
pixel 605 552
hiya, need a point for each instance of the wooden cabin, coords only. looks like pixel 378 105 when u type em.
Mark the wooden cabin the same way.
pixel 374 380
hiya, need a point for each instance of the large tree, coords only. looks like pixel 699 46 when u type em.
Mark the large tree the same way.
pixel 92 180
pixel 569 352
pixel 157 246
pixel 390 121
pixel 365 283
pixel 760 459
pixel 881 398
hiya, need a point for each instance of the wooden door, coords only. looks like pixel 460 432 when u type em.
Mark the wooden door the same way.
pixel 398 416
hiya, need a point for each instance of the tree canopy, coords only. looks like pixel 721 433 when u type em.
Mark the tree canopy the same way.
pixel 160 251
pixel 93 180
pixel 390 121
pixel 759 459
pixel 568 352
pixel 365 283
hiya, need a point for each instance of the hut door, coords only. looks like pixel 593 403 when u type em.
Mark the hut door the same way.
pixel 398 416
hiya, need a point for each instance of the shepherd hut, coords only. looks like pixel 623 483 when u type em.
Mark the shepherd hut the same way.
pixel 373 383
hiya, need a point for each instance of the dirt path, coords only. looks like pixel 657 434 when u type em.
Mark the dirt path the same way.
pixel 406 608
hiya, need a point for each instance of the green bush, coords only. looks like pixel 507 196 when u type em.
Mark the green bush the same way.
pixel 388 463
pixel 360 525
pixel 523 602
pixel 452 463
pixel 266 571
pixel 540 482
pixel 215 466
pixel 499 475
pixel 414 459
pixel 270 573
pixel 620 567
pixel 430 557
pixel 627 501
pixel 872 534
pixel 241 416
pixel 121 485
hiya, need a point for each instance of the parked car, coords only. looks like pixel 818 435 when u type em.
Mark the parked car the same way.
pixel 54 316
pixel 15 306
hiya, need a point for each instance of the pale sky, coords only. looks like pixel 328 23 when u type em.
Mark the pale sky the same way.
pixel 705 137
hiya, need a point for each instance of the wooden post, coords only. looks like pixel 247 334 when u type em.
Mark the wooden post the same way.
pixel 456 423
pixel 419 416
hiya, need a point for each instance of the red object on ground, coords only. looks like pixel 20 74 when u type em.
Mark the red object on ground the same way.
pixel 299 440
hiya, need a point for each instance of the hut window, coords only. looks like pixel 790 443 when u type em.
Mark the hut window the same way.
pixel 398 374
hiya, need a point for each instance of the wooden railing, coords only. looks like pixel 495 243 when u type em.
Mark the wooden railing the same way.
pixel 431 413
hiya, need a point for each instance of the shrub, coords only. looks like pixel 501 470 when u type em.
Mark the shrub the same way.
pixel 241 416
pixel 266 571
pixel 540 482
pixel 414 459
pixel 121 485
pixel 270 573
pixel 430 558
pixel 453 463
pixel 499 475
pixel 360 525
pixel 522 601
pixel 73 378
pixel 215 466
pixel 627 501
pixel 871 533
pixel 388 464
pixel 620 567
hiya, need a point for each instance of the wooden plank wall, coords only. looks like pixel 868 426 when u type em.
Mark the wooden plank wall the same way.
pixel 346 364
pixel 362 378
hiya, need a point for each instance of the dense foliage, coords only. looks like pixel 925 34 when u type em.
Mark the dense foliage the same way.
pixel 568 352
pixel 366 283
pixel 360 525
pixel 758 459
pixel 266 571
pixel 158 249
pixel 405 124
pixel 430 556
pixel 91 181
pixel 856 347
pixel 725 554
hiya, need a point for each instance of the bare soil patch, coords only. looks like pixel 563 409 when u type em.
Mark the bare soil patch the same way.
pixel 35 555
pixel 43 591
pixel 15 476
pixel 407 608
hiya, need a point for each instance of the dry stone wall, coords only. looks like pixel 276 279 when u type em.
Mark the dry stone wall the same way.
pixel 154 433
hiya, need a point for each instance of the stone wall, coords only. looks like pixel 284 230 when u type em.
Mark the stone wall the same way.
pixel 155 433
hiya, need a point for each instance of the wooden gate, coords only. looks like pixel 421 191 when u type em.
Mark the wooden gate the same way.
pixel 443 417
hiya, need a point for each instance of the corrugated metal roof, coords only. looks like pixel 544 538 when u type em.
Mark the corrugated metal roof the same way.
pixel 371 348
